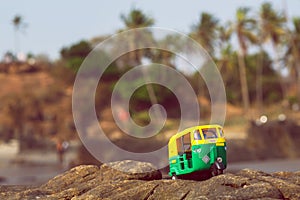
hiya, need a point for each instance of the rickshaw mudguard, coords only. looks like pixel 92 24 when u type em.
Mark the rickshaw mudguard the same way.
pixel 222 153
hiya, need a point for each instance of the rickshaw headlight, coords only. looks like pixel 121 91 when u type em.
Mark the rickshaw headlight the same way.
pixel 219 159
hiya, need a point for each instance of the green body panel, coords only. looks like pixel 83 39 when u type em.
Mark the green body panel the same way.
pixel 221 150
pixel 202 157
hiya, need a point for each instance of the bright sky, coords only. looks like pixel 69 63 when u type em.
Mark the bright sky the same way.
pixel 54 24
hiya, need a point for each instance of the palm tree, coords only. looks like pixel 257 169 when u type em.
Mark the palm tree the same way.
pixel 293 52
pixel 244 27
pixel 272 25
pixel 271 28
pixel 205 31
pixel 136 19
pixel 19 25
pixel 224 45
pixel 226 54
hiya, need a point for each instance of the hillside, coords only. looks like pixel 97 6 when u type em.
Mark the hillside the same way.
pixel 35 103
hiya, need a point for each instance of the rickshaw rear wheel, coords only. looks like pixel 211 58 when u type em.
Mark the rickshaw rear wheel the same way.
pixel 215 171
pixel 174 176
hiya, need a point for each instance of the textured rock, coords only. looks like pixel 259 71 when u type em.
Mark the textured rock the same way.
pixel 129 169
pixel 92 182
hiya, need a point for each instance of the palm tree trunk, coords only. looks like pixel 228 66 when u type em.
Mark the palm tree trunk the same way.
pixel 277 65
pixel 297 66
pixel 17 43
pixel 152 97
pixel 259 89
pixel 298 82
pixel 133 51
pixel 296 55
pixel 243 79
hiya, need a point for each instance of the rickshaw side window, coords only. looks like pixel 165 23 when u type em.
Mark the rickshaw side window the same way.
pixel 184 143
pixel 209 133
pixel 187 142
pixel 197 135
pixel 179 146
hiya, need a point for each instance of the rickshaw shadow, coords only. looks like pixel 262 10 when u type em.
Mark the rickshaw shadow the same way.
pixel 197 176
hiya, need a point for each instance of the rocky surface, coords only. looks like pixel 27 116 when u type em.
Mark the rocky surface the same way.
pixel 93 182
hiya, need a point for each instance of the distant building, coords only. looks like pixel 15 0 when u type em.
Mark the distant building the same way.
pixel 8 57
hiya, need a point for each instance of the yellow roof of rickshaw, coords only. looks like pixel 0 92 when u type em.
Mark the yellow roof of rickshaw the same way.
pixel 181 133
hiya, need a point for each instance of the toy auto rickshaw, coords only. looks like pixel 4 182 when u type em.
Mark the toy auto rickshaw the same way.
pixel 196 149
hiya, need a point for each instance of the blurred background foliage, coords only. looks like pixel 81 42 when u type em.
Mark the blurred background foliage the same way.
pixel 257 54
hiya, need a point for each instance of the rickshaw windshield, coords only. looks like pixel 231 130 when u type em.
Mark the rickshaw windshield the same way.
pixel 221 132
pixel 209 133
pixel 197 135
